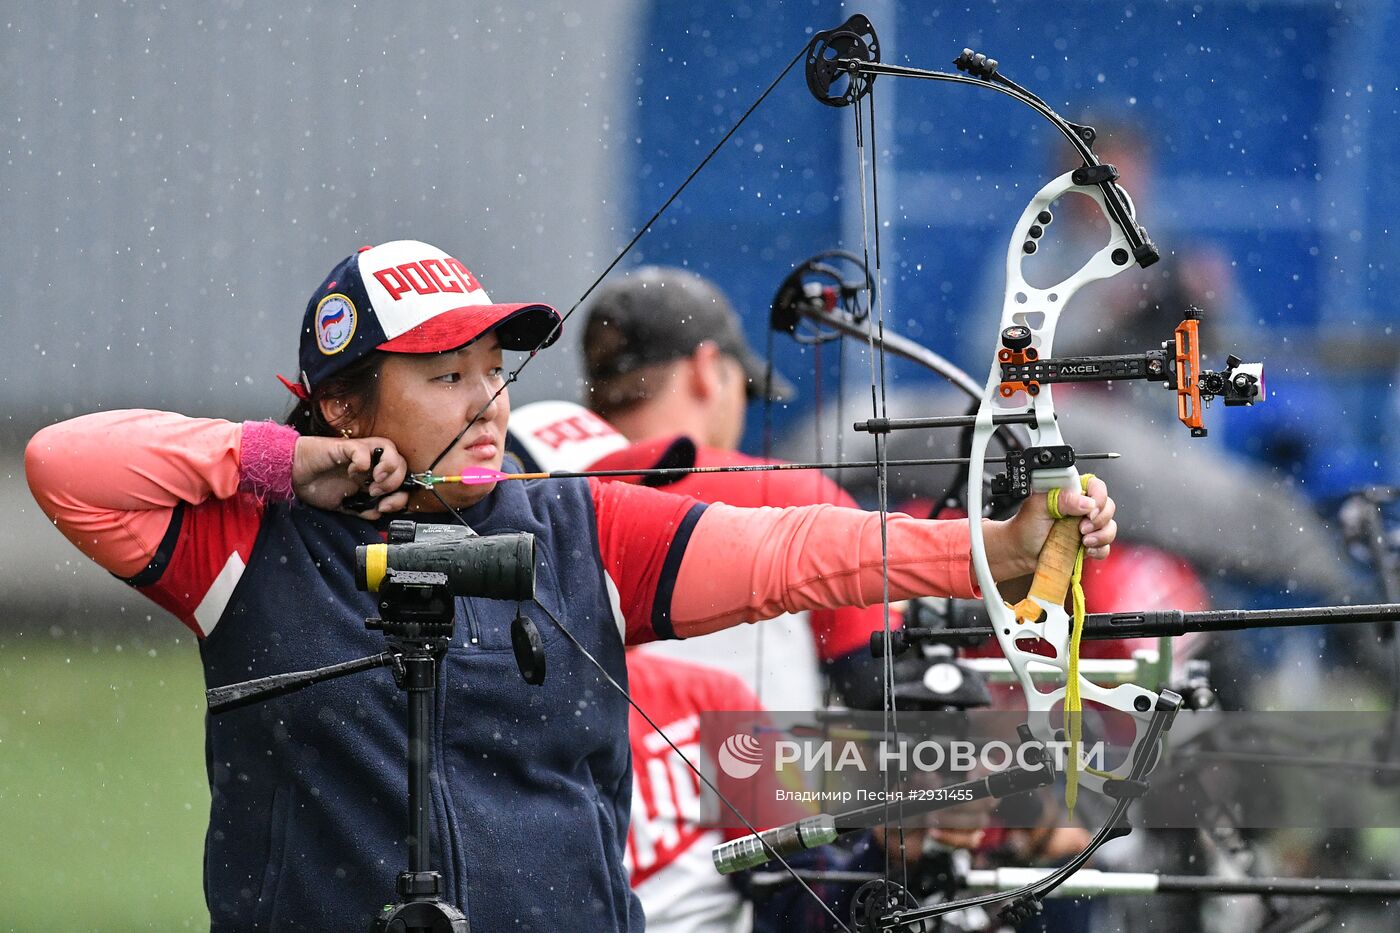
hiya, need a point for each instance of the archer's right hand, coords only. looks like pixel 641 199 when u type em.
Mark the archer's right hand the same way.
pixel 327 469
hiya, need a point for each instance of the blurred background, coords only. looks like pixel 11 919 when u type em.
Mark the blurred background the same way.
pixel 178 177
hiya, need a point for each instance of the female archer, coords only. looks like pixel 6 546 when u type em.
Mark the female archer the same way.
pixel 240 531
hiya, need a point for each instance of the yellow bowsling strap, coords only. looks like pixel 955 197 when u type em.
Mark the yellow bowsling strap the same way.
pixel 1073 705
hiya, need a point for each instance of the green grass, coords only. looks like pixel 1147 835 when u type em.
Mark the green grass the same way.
pixel 103 800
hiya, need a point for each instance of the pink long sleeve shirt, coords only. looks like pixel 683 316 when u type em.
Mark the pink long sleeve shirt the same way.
pixel 173 505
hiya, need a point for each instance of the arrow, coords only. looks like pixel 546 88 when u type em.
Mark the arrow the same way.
pixel 482 475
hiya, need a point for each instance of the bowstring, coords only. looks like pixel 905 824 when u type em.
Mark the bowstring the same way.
pixel 514 375
pixel 870 207
pixel 558 327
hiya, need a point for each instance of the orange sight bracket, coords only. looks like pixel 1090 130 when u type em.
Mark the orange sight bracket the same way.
pixel 1188 369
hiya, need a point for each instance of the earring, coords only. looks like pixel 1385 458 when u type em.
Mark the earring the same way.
pixel 345 433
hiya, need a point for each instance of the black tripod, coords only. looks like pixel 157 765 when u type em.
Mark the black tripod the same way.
pixel 417 624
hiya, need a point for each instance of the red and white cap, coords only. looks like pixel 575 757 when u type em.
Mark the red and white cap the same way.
pixel 406 296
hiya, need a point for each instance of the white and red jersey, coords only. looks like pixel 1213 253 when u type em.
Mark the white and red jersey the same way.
pixel 668 852
pixel 557 435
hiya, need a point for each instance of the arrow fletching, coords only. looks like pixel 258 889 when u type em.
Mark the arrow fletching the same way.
pixel 474 476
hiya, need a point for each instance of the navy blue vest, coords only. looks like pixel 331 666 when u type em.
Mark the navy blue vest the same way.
pixel 533 784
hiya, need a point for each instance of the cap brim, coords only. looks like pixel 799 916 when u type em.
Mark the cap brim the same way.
pixel 519 326
pixel 757 373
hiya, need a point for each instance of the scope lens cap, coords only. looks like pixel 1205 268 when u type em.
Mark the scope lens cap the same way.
pixel 525 640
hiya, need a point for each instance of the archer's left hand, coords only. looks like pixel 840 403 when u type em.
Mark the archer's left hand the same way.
pixel 1098 527
pixel 1014 545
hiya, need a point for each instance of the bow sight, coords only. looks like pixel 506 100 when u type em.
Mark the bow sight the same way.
pixel 1177 365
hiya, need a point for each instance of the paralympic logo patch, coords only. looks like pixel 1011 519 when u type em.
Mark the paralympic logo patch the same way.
pixel 335 323
pixel 740 756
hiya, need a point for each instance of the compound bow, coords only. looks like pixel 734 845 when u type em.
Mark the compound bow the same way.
pixel 842 66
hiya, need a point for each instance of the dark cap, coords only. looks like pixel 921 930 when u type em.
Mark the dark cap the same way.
pixel 406 297
pixel 661 313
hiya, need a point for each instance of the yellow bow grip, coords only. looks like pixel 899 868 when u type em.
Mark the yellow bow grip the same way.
pixel 1054 568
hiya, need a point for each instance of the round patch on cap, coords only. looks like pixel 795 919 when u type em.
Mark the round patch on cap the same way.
pixel 335 323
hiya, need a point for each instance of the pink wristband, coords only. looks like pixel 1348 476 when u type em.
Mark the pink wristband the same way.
pixel 265 460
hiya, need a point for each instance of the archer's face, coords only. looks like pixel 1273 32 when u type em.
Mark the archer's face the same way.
pixel 425 399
